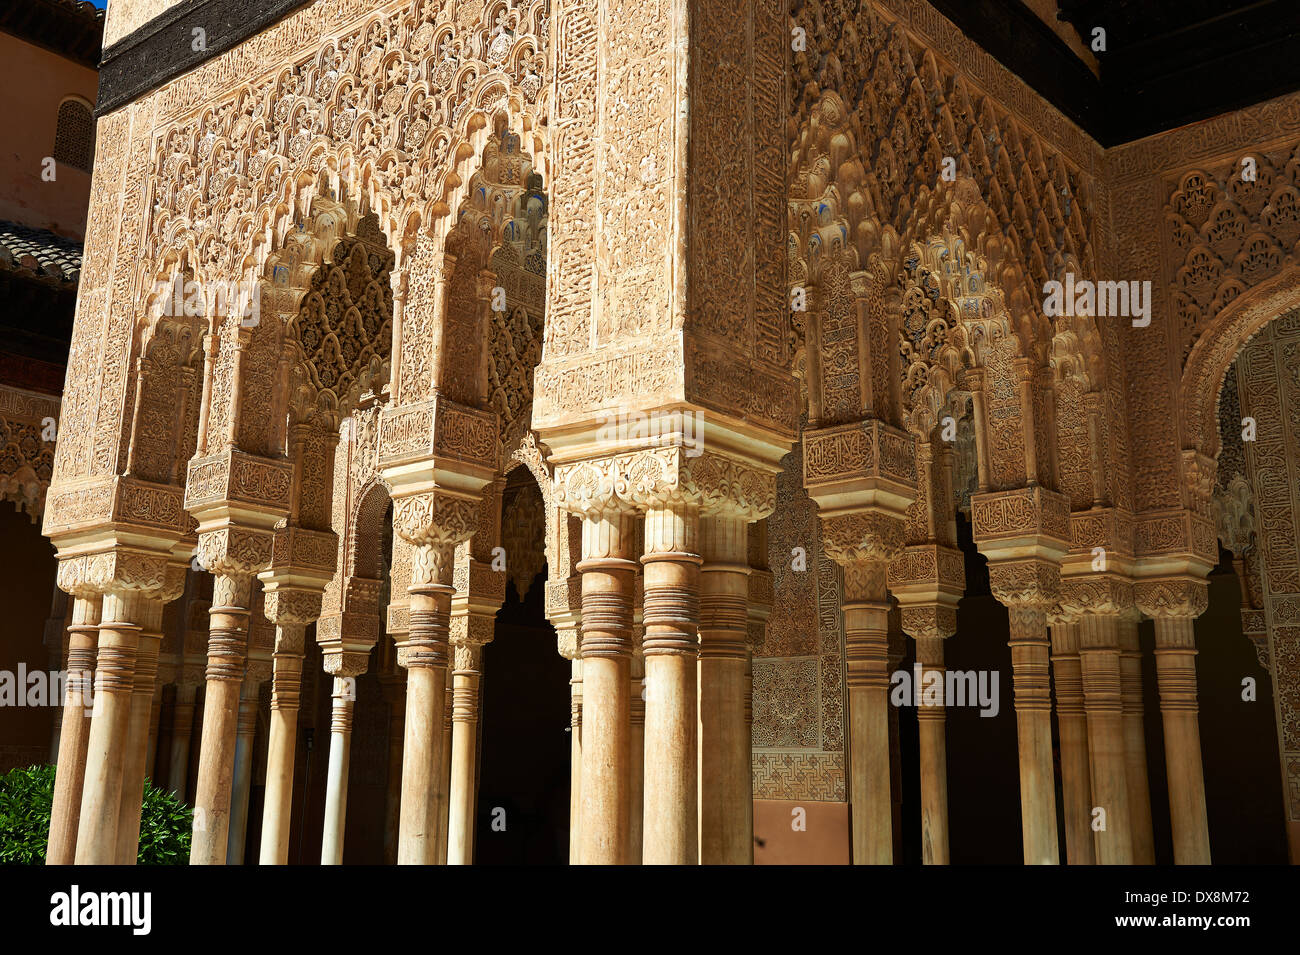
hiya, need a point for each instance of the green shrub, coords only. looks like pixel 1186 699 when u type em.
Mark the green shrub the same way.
pixel 26 796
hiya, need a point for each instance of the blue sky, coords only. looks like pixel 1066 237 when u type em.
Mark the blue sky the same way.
pixel 98 3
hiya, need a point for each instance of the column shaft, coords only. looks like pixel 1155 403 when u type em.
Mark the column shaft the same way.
pixel 671 830
pixel 1033 699
pixel 227 659
pixel 426 692
pixel 866 625
pixel 137 756
pixel 607 574
pixel 1176 674
pixel 575 763
pixel 464 755
pixel 101 799
pixel 1099 661
pixel 444 776
pixel 242 780
pixel 1135 744
pixel 74 734
pixel 725 775
pixel 1072 723
pixel 931 724
pixel 282 743
pixel 336 783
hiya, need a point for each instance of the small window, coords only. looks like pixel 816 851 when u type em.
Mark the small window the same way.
pixel 74 141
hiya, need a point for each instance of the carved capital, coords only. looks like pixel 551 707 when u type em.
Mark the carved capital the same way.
pixel 235 551
pixel 655 477
pixel 862 536
pixel 1032 585
pixel 1172 597
pixel 935 621
pixel 435 519
pixel 1107 594
pixel 287 605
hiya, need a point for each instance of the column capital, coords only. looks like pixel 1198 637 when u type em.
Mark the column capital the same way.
pixel 1172 597
pixel 1033 584
pixel 667 476
pixel 1100 593
pixel 865 536
pixel 154 575
pixel 932 621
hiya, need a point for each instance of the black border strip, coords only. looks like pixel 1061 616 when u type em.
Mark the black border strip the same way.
pixel 162 49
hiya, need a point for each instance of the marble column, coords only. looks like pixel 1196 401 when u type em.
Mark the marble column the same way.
pixel 74 734
pixel 636 746
pixel 1072 723
pixel 866 626
pixel 282 736
pixel 725 777
pixel 1099 661
pixel 242 778
pixel 1135 744
pixel 607 570
pixel 227 662
pixel 930 626
pixel 575 760
pixel 425 658
pixel 671 567
pixel 336 779
pixel 1029 590
pixel 1175 605
pixel 149 640
pixel 468 657
pixel 444 774
pixel 182 726
pixel 106 754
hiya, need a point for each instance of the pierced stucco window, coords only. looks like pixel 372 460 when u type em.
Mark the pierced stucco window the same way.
pixel 74 140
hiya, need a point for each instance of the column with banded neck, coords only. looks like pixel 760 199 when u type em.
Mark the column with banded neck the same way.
pixel 866 627
pixel 178 766
pixel 1029 589
pixel 227 661
pixel 1135 744
pixel 106 753
pixel 468 656
pixel 607 569
pixel 671 652
pixel 929 626
pixel 1175 605
pixel 1072 723
pixel 74 734
pixel 149 641
pixel 290 614
pixel 433 524
pixel 425 658
pixel 725 774
pixel 336 779
pixel 1099 661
